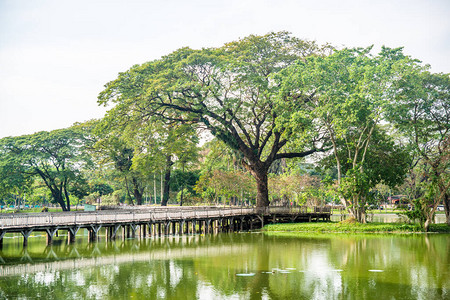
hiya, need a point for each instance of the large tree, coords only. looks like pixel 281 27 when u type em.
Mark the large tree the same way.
pixel 421 113
pixel 229 91
pixel 56 157
pixel 349 90
pixel 141 146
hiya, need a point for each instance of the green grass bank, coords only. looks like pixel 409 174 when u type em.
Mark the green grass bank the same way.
pixel 343 227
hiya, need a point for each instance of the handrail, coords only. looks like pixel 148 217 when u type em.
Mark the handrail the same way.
pixel 144 215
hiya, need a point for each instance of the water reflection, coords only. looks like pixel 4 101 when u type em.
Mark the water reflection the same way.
pixel 232 266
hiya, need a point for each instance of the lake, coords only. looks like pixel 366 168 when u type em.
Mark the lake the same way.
pixel 229 266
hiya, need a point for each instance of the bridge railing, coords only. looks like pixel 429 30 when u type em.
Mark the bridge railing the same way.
pixel 145 215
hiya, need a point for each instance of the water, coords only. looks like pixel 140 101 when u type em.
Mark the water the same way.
pixel 230 266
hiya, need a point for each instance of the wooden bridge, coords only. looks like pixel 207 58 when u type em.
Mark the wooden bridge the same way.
pixel 156 221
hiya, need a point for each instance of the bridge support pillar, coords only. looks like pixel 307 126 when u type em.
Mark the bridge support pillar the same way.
pixel 2 234
pixel 207 226
pixel 220 224
pixel 166 227
pixel 182 228
pixel 93 232
pixel 159 229
pixel 72 233
pixel 50 233
pixel 193 225
pixel 261 218
pixel 124 232
pixel 113 231
pixel 133 228
pixel 26 233
pixel 174 228
pixel 200 226
pixel 143 228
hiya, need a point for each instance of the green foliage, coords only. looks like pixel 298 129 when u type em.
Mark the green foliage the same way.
pixel 421 113
pixel 301 189
pixel 348 94
pixel 228 90
pixel 55 157
pixel 102 189
pixel 230 186
pixel 352 228
pixel 111 199
pixel 92 198
pixel 184 180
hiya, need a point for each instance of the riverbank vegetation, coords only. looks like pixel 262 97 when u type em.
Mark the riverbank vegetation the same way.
pixel 353 227
pixel 264 120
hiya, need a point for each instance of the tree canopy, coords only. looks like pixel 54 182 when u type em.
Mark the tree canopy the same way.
pixel 229 91
pixel 55 157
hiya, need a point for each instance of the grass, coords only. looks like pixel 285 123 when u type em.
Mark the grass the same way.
pixel 350 227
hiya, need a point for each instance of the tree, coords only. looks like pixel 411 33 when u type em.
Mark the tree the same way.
pixel 56 157
pixel 421 113
pixel 13 179
pixel 349 91
pixel 229 91
pixel 115 150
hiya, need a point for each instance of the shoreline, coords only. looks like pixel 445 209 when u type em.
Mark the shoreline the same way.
pixel 354 228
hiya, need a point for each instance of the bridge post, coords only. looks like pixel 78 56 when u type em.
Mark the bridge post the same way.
pixel 93 231
pixel 50 233
pixel 124 232
pixel 193 226
pixel 143 230
pixel 185 227
pixel 128 231
pixel 2 234
pixel 207 226
pixel 174 228
pixel 150 229
pixel 199 226
pixel 182 226
pixel 26 233
pixel 159 229
pixel 133 230
pixel 223 224
pixel 166 227
pixel 72 233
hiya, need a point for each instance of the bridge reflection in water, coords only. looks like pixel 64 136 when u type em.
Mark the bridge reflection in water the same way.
pixel 155 221
pixel 73 256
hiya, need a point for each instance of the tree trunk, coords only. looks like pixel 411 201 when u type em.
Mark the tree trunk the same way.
pixel 169 164
pixel 59 199
pixel 154 186
pixel 67 197
pixel 426 225
pixel 137 192
pixel 128 191
pixel 447 207
pixel 262 187
pixel 259 171
pixel 358 213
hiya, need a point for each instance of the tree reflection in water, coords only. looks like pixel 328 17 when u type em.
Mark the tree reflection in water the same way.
pixel 205 267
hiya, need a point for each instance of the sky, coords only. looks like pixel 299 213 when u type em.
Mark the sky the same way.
pixel 57 55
